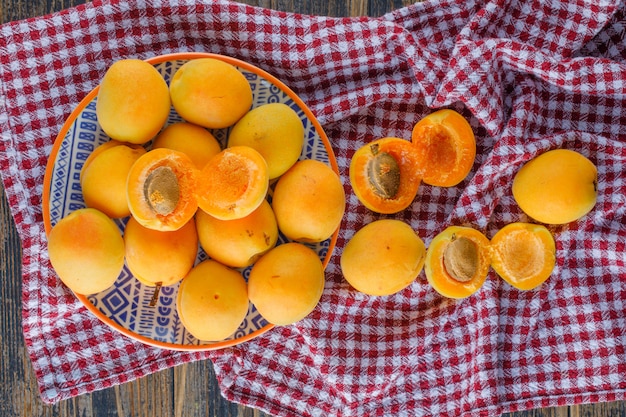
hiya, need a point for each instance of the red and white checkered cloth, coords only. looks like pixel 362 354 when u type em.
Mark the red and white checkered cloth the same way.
pixel 529 75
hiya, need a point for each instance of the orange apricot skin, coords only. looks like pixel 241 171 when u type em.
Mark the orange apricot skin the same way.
pixel 186 174
pixel 195 141
pixel 446 147
pixel 436 273
pixel 86 250
pixel 233 183
pixel 153 256
pixel 404 154
pixel 529 248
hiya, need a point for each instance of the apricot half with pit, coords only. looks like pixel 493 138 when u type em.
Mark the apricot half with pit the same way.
pixel 233 183
pixel 384 175
pixel 240 242
pixel 523 254
pixel 556 187
pixel 446 147
pixel 161 188
pixel 210 92
pixel 86 250
pixel 309 201
pixel 133 101
pixel 212 301
pixel 457 261
pixel 383 257
pixel 286 284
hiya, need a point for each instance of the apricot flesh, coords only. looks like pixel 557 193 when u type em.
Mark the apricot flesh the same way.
pixel 240 242
pixel 446 147
pixel 286 284
pixel 86 250
pixel 210 92
pixel 556 187
pixel 212 301
pixel 385 175
pixel 194 141
pixel 133 101
pixel 160 258
pixel 309 201
pixel 458 261
pixel 275 131
pixel 383 257
pixel 523 254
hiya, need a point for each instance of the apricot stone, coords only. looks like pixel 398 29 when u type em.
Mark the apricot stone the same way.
pixel 309 201
pixel 286 284
pixel 160 258
pixel 383 257
pixel 86 250
pixel 212 301
pixel 210 93
pixel 556 187
pixel 275 131
pixel 133 101
pixel 194 141
pixel 240 242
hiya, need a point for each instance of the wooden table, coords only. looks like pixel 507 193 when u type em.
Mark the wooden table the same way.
pixel 189 390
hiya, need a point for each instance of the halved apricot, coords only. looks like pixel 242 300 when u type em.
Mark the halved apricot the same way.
pixel 233 183
pixel 384 175
pixel 457 261
pixel 446 148
pixel 523 254
pixel 161 189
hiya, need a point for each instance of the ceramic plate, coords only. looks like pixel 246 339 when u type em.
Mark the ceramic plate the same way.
pixel 126 306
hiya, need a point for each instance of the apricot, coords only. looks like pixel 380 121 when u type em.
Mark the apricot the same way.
pixel 160 258
pixel 212 301
pixel 457 261
pixel 276 131
pixel 446 147
pixel 210 92
pixel 286 284
pixel 161 188
pixel 103 178
pixel 523 254
pixel 238 243
pixel 309 201
pixel 233 183
pixel 384 175
pixel 383 257
pixel 194 141
pixel 86 250
pixel 133 101
pixel 556 187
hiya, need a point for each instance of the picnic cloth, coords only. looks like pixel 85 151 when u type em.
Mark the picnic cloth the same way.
pixel 528 75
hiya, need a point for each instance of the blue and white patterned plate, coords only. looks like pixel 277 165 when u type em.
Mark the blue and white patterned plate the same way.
pixel 126 306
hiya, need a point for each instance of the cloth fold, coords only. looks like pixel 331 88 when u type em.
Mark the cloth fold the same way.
pixel 528 76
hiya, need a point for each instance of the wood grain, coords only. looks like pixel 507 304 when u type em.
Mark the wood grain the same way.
pixel 189 390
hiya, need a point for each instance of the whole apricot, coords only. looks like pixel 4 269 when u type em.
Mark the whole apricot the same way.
pixel 309 201
pixel 86 250
pixel 556 187
pixel 446 147
pixel 160 257
pixel 194 141
pixel 133 101
pixel 103 178
pixel 210 92
pixel 457 261
pixel 523 254
pixel 383 257
pixel 240 242
pixel 275 131
pixel 212 301
pixel 286 283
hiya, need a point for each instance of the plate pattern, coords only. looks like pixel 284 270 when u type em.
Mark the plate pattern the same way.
pixel 126 304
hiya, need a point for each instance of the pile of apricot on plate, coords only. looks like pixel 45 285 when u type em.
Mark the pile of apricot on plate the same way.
pixel 386 173
pixel 177 191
